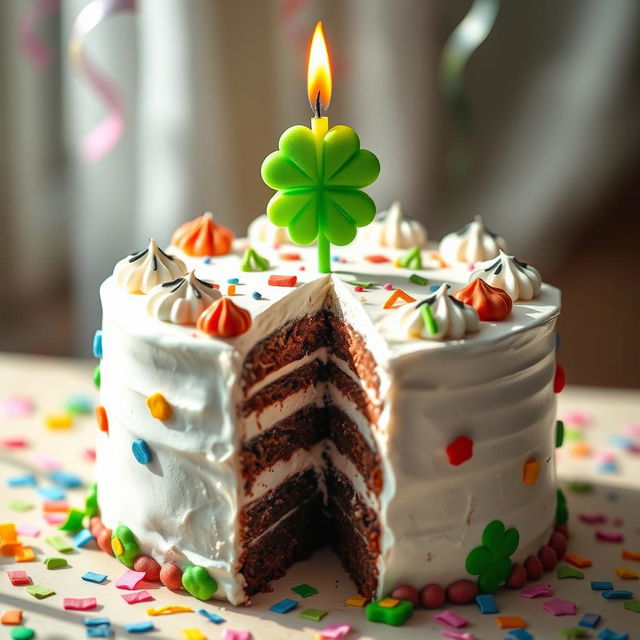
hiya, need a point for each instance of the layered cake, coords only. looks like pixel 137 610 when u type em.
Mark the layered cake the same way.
pixel 400 409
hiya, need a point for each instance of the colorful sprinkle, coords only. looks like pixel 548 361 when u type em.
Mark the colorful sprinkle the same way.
pixel 416 279
pixel 601 585
pixel 334 631
pixel 235 634
pixel 428 319
pixel 387 286
pixel 537 591
pixel 398 294
pixel 486 603
pixel 92 576
pixel 168 610
pixel 559 380
pixel 356 601
pixel 282 281
pixel 530 472
pixel 565 571
pixel 59 543
pixel 452 619
pixel 82 538
pixel 510 622
pixel 627 574
pixel 256 295
pixel 158 406
pixel 79 604
pixel 137 596
pixel 609 634
pixel 129 580
pixel 24 554
pixel 231 290
pixel 102 419
pixel 211 616
pixel 313 614
pixel 460 450
pixel 96 377
pixel 284 606
pixel 376 258
pixel 97 344
pixel 22 480
pixel 632 605
pixel 289 257
pixel 590 620
pixel 617 594
pixel 630 555
pixel 18 578
pixel 55 563
pixel 411 260
pixel 58 421
pixel 22 633
pixel 73 521
pixel 11 617
pixel 577 561
pixel 39 591
pixel 559 433
pixel 609 536
pixel 304 590
pixel 139 627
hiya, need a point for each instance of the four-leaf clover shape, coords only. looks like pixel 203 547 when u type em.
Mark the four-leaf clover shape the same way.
pixel 491 561
pixel 319 190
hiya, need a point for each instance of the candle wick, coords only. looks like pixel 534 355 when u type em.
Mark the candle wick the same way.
pixel 318 114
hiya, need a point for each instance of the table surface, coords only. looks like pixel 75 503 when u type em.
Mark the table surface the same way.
pixel 599 422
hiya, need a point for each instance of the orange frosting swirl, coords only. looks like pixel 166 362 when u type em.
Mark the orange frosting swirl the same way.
pixel 491 303
pixel 203 237
pixel 224 319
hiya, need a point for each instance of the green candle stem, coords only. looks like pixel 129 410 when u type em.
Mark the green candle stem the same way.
pixel 324 254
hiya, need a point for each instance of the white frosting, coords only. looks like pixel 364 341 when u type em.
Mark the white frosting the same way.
pixel 473 243
pixel 519 280
pixel 141 271
pixel 392 229
pixel 495 386
pixel 263 231
pixel 453 319
pixel 181 301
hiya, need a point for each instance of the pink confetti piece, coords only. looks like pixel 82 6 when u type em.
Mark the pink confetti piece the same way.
pixel 18 578
pixel 592 518
pixel 577 418
pixel 79 604
pixel 537 591
pixel 235 634
pixel 609 536
pixel 46 461
pixel 33 44
pixel 604 457
pixel 137 596
pixel 457 635
pixel 452 619
pixel 90 454
pixel 54 518
pixel 560 607
pixel 28 530
pixel 14 443
pixel 17 407
pixel 130 579
pixel 335 631
pixel 632 430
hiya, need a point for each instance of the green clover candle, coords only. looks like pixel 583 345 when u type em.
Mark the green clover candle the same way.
pixel 319 173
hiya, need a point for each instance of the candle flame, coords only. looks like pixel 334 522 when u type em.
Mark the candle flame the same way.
pixel 319 70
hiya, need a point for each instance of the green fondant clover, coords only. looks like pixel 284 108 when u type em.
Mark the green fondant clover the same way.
pixel 562 512
pixel 124 545
pixel 491 561
pixel 319 190
pixel 91 507
pixel 197 581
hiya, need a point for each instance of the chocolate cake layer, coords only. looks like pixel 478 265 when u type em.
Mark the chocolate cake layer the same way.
pixel 259 515
pixel 301 430
pixel 294 538
pixel 294 341
pixel 276 392
pixel 355 393
pixel 344 432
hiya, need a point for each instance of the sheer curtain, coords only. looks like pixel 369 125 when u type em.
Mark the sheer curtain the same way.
pixel 208 87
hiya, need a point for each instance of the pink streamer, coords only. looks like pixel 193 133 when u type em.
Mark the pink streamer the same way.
pixel 104 137
pixel 33 44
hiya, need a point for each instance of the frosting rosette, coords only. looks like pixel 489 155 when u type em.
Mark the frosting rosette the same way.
pixel 182 300
pixel 473 243
pixel 202 237
pixel 438 317
pixel 141 271
pixel 393 229
pixel 263 231
pixel 520 280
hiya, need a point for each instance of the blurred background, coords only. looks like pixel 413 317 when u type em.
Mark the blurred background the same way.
pixel 539 134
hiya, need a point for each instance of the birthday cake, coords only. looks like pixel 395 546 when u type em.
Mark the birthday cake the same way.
pixel 400 409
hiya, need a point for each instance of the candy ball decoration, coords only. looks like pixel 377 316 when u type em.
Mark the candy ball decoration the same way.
pixel 224 319
pixel 203 237
pixel 491 303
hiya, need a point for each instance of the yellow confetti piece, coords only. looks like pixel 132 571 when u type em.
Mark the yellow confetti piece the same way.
pixel 25 554
pixel 168 610
pixel 8 532
pixel 117 547
pixel 627 574
pixel 193 634
pixel 531 471
pixel 58 421
pixel 159 407
pixel 356 601
pixel 388 603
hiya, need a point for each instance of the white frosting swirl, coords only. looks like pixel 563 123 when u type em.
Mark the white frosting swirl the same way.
pixel 519 280
pixel 472 243
pixel 453 320
pixel 263 231
pixel 141 271
pixel 181 301
pixel 392 229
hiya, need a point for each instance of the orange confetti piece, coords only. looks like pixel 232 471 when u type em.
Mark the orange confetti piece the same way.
pixel 289 257
pixel 631 555
pixel 436 257
pixel 580 450
pixel 103 421
pixel 25 554
pixel 577 561
pixel 627 574
pixel 231 290
pixel 398 294
pixel 356 601
pixel 12 616
pixel 10 548
pixel 55 506
pixel 530 472
pixel 510 622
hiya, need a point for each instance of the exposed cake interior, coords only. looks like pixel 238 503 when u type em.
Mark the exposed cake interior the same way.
pixel 309 459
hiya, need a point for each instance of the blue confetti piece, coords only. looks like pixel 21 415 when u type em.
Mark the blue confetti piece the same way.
pixel 335 258
pixel 617 594
pixel 97 344
pixel 486 603
pixel 621 442
pixel 24 480
pixel 81 538
pixel 284 605
pixel 51 493
pixel 521 634
pixel 138 627
pixel 590 620
pixel 612 496
pixel 101 631
pixel 609 634
pixel 557 341
pixel 141 451
pixel 256 295
pixel 97 578
pixel 207 260
pixel 601 585
pixel 66 480
pixel 608 467
pixel 94 622
pixel 212 617
pixel 434 287
pixel 233 280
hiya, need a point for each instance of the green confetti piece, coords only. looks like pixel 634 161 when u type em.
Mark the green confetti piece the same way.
pixel 252 261
pixel 78 405
pixel 55 563
pixel 416 279
pixel 304 590
pixel 565 571
pixel 20 505
pixel 59 544
pixel 574 632
pixel 22 633
pixel 578 486
pixel 412 259
pixel 96 377
pixel 313 614
pixel 39 591
pixel 559 433
pixel 395 616
pixel 197 581
pixel 362 283
pixel 73 522
pixel 573 435
pixel 428 319
pixel 91 501
pixel 632 605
